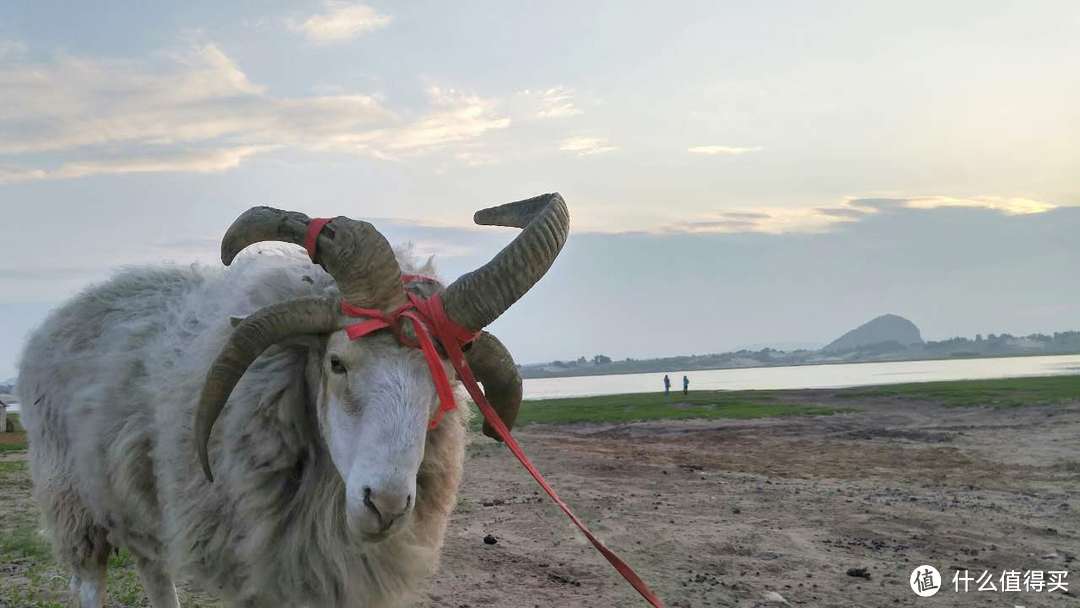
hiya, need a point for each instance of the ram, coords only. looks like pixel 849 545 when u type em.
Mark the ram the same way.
pixel 327 476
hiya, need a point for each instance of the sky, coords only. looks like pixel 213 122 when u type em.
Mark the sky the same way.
pixel 736 174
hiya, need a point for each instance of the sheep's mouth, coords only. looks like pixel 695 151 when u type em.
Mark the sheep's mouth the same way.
pixel 370 536
pixel 378 537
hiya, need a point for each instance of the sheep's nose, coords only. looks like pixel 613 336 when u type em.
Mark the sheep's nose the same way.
pixel 388 506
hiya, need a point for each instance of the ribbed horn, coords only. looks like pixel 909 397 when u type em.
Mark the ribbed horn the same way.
pixel 359 258
pixel 249 339
pixel 479 297
pixel 494 367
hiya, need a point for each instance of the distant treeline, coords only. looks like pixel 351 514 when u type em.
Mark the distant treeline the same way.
pixel 993 345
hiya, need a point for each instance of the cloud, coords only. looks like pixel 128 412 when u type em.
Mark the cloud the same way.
pixel 556 102
pixel 10 175
pixel 784 220
pixel 196 110
pixel 71 102
pixel 586 146
pixel 1002 204
pixel 721 150
pixel 456 117
pixel 200 161
pixel 341 21
pixel 476 159
pixel 196 96
pixel 1008 206
pixel 844 212
pixel 11 47
pixel 765 221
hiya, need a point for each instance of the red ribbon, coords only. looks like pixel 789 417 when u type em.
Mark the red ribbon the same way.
pixel 423 313
pixel 311 239
pixel 428 316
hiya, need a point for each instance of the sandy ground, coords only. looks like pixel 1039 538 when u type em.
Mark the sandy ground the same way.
pixel 772 511
pixel 730 513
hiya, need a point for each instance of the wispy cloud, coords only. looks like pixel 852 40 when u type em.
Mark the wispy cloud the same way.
pixel 11 47
pixel 783 220
pixel 455 117
pixel 341 21
pixel 10 175
pixel 476 159
pixel 767 221
pixel 555 102
pixel 1006 205
pixel 196 110
pixel 586 146
pixel 201 161
pixel 721 150
pixel 71 101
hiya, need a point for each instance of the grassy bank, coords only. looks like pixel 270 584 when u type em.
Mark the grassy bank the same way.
pixel 1006 392
pixel 658 406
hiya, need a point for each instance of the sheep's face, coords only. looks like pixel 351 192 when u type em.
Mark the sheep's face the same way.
pixel 375 401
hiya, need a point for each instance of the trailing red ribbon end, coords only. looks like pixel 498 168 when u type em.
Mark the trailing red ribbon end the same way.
pixel 465 375
pixel 427 316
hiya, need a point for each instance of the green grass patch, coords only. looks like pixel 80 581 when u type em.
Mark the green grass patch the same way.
pixel 13 470
pixel 637 407
pixel 29 576
pixel 24 543
pixel 1004 392
pixel 13 442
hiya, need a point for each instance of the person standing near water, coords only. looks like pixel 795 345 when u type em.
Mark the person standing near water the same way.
pixel 667 384
pixel 685 384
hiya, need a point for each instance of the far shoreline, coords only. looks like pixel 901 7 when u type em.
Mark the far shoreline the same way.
pixel 670 370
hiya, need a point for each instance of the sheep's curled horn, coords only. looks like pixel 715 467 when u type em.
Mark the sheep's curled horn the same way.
pixel 362 263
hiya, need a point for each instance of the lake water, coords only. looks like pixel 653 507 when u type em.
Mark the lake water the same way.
pixel 808 376
pixel 804 376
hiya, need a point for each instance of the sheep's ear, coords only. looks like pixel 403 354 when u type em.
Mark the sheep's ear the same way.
pixel 236 320
pixel 428 269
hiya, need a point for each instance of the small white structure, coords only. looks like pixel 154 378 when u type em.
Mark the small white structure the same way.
pixel 3 417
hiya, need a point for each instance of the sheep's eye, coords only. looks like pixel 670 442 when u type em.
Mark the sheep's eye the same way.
pixel 336 365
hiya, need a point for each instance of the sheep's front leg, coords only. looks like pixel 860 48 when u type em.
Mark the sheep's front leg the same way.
pixel 157 584
pixel 88 552
pixel 88 585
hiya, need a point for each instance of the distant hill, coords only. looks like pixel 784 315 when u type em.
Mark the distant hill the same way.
pixel 783 346
pixel 887 332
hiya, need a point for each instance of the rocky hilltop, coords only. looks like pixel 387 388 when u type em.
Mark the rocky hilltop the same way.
pixel 887 332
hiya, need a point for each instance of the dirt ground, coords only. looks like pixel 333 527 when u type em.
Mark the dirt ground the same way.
pixel 770 512
pixel 732 513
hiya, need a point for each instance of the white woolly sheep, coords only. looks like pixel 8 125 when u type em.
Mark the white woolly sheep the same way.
pixel 330 489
